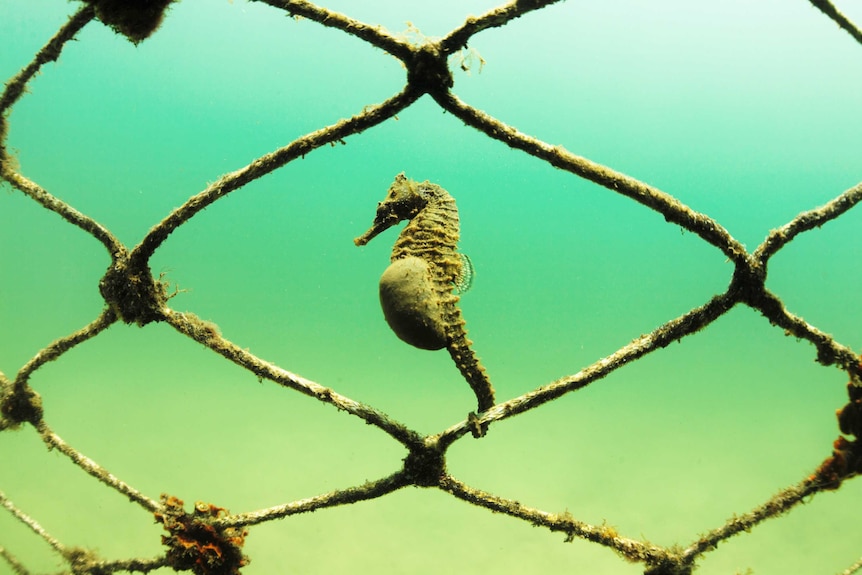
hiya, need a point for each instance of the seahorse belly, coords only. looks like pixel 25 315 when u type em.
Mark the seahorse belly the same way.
pixel 411 305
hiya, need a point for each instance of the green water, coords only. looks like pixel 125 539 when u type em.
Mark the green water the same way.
pixel 747 112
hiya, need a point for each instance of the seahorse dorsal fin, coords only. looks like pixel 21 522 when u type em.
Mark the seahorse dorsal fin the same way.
pixel 464 281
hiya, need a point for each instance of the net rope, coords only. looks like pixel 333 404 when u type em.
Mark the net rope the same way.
pixel 209 539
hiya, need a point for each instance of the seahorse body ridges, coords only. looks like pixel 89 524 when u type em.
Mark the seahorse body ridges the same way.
pixel 417 289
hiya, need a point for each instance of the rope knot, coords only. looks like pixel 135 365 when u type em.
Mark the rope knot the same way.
pixel 428 71
pixel 131 292
pixel 425 465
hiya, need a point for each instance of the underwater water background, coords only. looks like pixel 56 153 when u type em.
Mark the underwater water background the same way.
pixel 745 111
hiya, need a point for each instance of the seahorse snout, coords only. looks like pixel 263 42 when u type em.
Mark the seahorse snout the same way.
pixel 382 222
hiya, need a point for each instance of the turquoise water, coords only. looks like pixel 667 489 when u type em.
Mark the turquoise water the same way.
pixel 744 112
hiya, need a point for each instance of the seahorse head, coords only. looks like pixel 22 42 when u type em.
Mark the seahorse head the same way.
pixel 402 202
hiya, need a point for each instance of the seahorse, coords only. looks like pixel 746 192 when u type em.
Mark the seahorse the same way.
pixel 417 290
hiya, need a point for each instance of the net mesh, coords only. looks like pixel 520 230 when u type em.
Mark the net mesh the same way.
pixel 206 538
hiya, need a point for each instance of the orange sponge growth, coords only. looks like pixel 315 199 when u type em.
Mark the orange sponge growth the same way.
pixel 195 543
